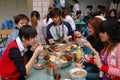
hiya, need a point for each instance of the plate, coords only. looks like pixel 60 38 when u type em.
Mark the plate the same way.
pixel 38 66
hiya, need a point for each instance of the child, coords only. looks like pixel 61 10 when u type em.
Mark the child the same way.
pixel 20 20
pixel 13 64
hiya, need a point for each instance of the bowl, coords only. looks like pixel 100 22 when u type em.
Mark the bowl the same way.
pixel 38 66
pixel 78 73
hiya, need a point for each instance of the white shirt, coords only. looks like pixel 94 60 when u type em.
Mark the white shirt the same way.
pixel 101 17
pixel 20 46
pixel 62 3
pixel 70 20
pixel 40 30
pixel 47 23
pixel 76 7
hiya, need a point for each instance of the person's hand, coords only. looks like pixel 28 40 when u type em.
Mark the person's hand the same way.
pixel 87 58
pixel 33 47
pixel 51 41
pixel 78 34
pixel 66 38
pixel 87 44
pixel 97 60
pixel 39 49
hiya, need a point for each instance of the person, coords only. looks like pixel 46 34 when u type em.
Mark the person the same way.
pixel 112 14
pixel 94 39
pixel 101 14
pixel 20 20
pixel 13 65
pixel 38 25
pixel 69 19
pixel 77 16
pixel 76 6
pixel 108 61
pixel 58 29
pixel 57 4
pixel 93 30
pixel 88 11
pixel 46 22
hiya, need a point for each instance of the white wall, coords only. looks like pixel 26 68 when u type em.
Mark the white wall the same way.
pixel 41 6
pixel 10 8
pixel 94 3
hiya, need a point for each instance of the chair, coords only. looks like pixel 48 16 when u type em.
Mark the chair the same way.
pixel 4 35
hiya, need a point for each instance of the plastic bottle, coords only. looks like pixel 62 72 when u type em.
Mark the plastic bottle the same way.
pixel 78 54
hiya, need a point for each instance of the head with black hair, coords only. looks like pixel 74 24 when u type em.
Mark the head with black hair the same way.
pixel 21 20
pixel 113 13
pixel 90 7
pixel 35 14
pixel 78 12
pixel 28 35
pixel 110 33
pixel 75 1
pixel 55 15
pixel 55 12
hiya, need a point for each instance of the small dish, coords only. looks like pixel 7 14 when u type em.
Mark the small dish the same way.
pixel 38 66
pixel 79 66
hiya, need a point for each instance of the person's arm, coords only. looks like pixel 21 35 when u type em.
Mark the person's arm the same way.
pixel 70 31
pixel 49 35
pixel 115 71
pixel 31 62
pixel 15 55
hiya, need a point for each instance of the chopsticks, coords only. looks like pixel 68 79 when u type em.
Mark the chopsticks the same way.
pixel 81 61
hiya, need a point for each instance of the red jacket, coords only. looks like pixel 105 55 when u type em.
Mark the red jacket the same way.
pixel 7 66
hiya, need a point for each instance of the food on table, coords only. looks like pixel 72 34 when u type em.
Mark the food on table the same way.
pixel 38 66
pixel 79 73
pixel 53 58
pixel 50 66
pixel 62 47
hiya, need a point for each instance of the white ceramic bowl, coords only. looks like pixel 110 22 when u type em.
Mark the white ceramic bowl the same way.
pixel 78 73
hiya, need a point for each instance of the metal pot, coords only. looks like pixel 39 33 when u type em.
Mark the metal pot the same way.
pixel 60 54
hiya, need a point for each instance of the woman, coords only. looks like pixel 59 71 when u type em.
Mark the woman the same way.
pixel 76 6
pixel 113 14
pixel 93 30
pixel 109 60
pixel 38 25
pixel 94 39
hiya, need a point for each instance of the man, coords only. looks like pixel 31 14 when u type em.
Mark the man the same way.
pixel 58 29
pixel 13 64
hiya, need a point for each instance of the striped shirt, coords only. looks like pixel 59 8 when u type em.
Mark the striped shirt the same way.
pixel 64 28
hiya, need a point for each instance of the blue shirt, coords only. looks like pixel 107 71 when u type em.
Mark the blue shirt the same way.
pixel 13 36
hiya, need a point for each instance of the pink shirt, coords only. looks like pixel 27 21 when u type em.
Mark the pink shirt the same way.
pixel 113 61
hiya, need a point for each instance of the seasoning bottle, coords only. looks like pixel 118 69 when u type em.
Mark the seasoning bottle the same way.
pixel 78 54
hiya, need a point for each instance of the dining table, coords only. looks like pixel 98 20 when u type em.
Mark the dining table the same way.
pixel 41 74
pixel 80 23
pixel 4 34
